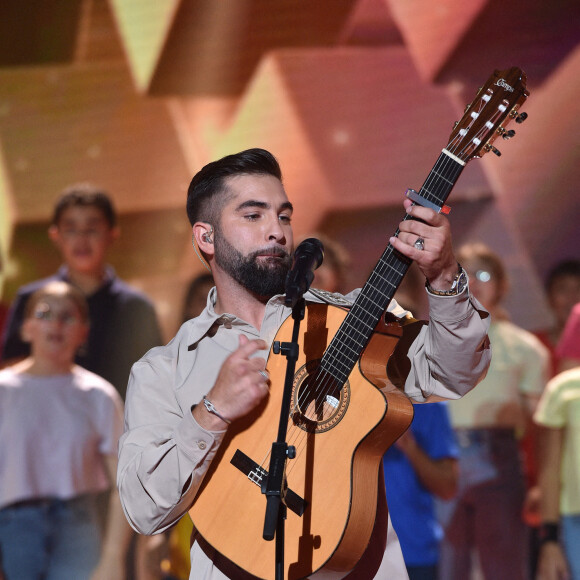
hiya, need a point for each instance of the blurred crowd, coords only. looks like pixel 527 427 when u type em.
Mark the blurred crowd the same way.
pixel 487 486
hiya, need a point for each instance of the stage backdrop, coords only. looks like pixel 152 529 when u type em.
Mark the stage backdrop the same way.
pixel 355 97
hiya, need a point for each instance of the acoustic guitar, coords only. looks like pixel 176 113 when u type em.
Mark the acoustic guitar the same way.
pixel 346 407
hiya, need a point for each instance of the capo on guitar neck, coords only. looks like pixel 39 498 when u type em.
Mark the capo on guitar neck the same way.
pixel 419 199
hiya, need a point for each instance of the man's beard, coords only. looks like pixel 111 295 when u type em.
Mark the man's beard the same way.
pixel 262 279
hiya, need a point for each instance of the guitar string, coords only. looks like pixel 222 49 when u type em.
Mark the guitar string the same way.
pixel 443 165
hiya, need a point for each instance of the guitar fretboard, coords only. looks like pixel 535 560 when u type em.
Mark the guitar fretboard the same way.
pixel 355 331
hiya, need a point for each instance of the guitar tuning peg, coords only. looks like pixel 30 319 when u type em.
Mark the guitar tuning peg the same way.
pixel 508 134
pixel 491 148
pixel 521 117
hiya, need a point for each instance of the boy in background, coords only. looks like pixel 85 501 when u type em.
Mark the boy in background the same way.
pixel 123 321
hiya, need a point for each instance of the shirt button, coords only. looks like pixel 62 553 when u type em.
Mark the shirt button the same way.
pixel 202 445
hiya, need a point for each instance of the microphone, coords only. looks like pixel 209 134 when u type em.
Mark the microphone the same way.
pixel 307 257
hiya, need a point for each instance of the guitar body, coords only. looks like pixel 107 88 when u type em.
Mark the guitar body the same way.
pixel 335 469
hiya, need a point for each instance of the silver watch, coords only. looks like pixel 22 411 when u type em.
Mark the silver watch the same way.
pixel 457 287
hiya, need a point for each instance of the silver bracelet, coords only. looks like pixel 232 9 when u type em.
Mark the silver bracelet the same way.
pixel 211 408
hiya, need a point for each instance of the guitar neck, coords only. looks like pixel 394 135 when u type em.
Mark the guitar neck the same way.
pixel 347 345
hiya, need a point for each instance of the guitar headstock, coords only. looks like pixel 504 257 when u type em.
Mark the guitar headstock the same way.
pixel 485 119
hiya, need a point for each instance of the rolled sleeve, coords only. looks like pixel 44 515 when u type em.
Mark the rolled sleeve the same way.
pixel 164 453
pixel 452 353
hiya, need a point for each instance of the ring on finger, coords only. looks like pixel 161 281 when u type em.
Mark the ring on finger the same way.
pixel 419 244
pixel 265 375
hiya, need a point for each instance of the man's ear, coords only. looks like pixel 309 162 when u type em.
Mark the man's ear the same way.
pixel 203 236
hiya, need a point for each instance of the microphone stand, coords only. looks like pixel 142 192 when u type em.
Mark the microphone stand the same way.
pixel 276 484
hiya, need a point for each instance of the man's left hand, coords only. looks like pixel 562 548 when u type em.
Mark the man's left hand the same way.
pixel 436 260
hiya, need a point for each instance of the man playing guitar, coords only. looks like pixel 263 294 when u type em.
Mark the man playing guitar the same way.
pixel 184 397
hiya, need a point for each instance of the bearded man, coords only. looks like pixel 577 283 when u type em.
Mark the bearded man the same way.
pixel 182 398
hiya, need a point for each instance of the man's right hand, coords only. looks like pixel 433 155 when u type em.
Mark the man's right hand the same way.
pixel 240 386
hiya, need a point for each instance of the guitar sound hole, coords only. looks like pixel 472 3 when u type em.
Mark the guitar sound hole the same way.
pixel 318 400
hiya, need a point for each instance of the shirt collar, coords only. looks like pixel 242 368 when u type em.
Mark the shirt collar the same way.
pixel 201 325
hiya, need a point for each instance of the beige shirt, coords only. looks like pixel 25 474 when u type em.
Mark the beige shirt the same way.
pixel 164 453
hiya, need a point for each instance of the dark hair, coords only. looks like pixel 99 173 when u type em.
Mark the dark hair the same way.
pixel 561 269
pixel 85 195
pixel 209 180
pixel 60 289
